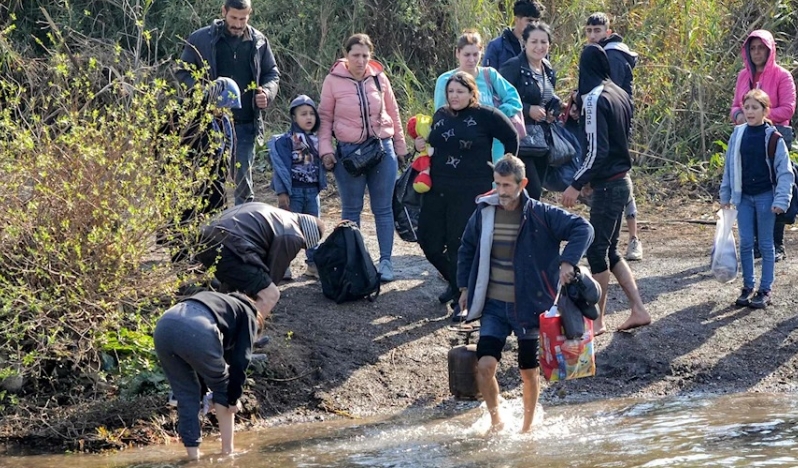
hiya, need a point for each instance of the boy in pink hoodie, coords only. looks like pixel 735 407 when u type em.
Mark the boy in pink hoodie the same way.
pixel 760 71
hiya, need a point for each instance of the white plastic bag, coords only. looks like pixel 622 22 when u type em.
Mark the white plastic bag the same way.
pixel 724 252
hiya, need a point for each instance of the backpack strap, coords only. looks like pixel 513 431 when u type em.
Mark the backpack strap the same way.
pixel 773 142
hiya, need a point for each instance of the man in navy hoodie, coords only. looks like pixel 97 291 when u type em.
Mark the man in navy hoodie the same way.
pixel 509 43
pixel 509 267
pixel 605 125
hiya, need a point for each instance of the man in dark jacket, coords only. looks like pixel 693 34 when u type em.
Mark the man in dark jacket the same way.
pixel 509 43
pixel 230 47
pixel 508 271
pixel 605 124
pixel 252 245
pixel 622 64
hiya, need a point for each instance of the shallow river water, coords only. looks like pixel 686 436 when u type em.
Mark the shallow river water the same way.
pixel 735 430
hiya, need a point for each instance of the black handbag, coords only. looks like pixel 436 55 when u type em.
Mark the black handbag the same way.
pixel 359 158
pixel 534 144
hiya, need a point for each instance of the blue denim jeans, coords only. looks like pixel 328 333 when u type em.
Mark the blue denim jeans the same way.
pixel 305 200
pixel 244 159
pixel 380 181
pixel 499 320
pixel 606 214
pixel 753 212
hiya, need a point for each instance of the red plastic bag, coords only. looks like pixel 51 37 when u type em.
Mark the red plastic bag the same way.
pixel 563 359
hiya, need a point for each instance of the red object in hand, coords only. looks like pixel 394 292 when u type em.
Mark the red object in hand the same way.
pixel 411 127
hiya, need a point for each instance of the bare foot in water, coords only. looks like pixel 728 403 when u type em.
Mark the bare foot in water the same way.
pixel 635 320
pixel 495 429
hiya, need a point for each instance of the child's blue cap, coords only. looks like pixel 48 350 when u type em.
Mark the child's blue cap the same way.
pixel 224 92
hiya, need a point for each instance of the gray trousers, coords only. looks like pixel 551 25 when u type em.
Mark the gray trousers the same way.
pixel 189 346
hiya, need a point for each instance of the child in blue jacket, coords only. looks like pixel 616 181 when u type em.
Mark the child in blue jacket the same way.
pixel 299 176
pixel 760 187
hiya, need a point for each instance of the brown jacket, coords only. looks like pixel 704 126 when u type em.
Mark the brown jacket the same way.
pixel 259 234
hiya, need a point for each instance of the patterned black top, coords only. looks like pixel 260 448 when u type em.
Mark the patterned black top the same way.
pixel 463 141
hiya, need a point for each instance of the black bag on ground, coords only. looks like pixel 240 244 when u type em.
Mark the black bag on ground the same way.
pixel 346 271
pixel 406 206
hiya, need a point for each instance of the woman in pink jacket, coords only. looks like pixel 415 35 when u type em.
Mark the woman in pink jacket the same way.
pixel 358 104
pixel 760 71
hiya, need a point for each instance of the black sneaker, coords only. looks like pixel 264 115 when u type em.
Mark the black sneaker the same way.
pixel 745 297
pixel 780 253
pixel 761 300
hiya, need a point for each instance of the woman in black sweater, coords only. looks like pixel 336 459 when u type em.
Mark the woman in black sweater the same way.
pixel 462 137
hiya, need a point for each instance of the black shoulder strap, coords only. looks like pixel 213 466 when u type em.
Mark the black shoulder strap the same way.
pixel 377 82
pixel 773 142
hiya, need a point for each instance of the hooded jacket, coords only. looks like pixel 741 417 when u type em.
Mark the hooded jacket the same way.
pixel 501 49
pixel 622 61
pixel 536 259
pixel 200 52
pixel 775 80
pixel 731 187
pixel 258 234
pixel 605 123
pixel 236 319
pixel 281 148
pixel 353 110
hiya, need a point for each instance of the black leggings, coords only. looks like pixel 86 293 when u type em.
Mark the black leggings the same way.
pixel 535 173
pixel 441 223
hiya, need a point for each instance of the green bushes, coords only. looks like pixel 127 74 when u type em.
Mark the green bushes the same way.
pixel 89 178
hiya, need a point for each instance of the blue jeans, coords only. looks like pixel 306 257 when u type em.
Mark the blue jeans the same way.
pixel 499 320
pixel 606 214
pixel 244 159
pixel 380 181
pixel 305 200
pixel 753 212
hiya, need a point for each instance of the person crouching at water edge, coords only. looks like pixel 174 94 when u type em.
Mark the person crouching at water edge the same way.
pixel 512 239
pixel 209 336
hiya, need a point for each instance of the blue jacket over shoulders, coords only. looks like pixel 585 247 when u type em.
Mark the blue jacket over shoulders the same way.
pixel 536 259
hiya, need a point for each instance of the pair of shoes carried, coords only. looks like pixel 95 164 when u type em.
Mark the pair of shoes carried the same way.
pixel 634 251
pixel 385 269
pixel 312 271
pixel 745 297
pixel 761 300
pixel 449 295
pixel 780 253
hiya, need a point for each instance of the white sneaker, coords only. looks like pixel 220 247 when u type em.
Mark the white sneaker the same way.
pixel 312 271
pixel 385 269
pixel 634 251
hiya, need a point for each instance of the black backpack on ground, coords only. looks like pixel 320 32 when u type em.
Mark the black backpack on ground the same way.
pixel 346 271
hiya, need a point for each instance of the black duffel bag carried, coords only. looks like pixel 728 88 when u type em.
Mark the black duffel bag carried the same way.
pixel 406 206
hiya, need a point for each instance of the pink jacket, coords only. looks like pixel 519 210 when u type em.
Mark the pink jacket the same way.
pixel 342 106
pixel 776 81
